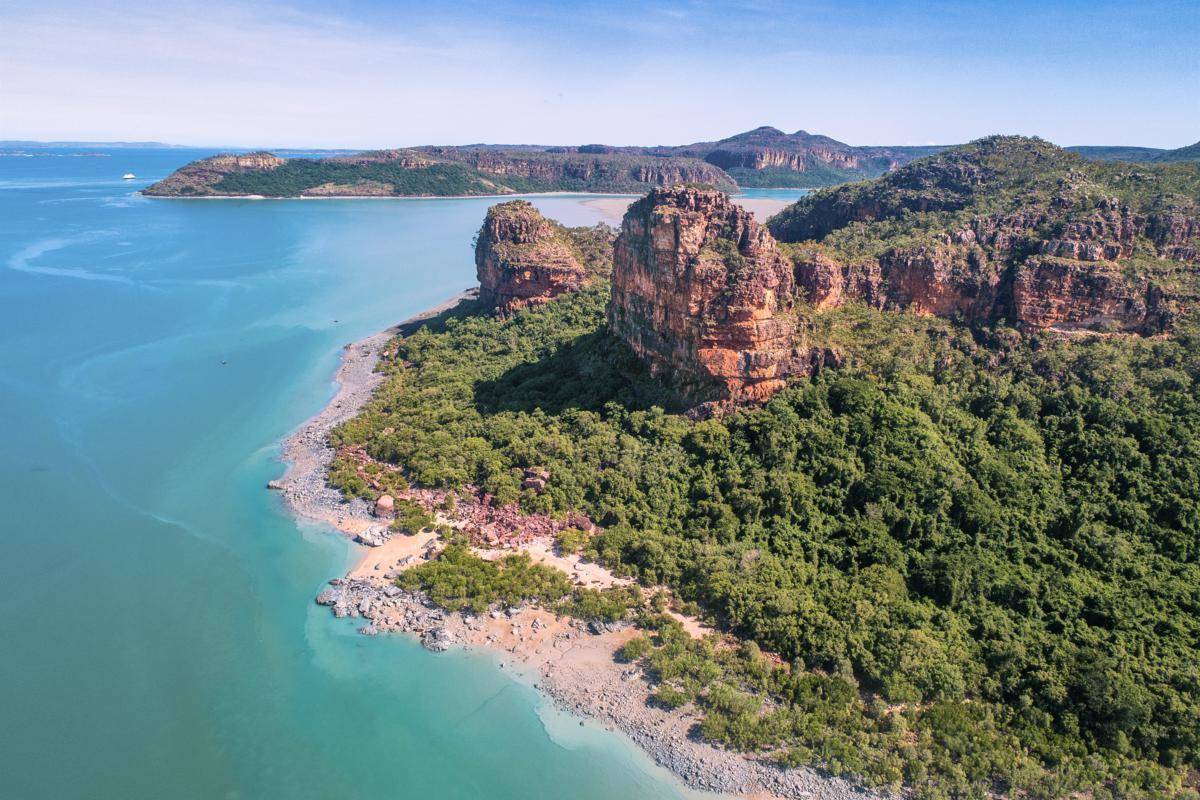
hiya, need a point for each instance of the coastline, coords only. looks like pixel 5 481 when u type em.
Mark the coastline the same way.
pixel 306 450
pixel 384 197
pixel 570 662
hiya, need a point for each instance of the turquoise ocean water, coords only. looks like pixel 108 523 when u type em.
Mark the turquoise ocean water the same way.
pixel 159 639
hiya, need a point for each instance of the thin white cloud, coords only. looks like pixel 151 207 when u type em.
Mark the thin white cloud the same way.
pixel 280 73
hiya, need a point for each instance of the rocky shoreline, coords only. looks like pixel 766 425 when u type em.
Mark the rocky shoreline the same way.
pixel 573 665
pixel 572 662
pixel 307 453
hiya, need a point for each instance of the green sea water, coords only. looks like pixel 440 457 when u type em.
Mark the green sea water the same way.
pixel 158 637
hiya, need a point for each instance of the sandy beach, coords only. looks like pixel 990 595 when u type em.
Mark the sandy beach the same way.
pixel 569 661
pixel 307 452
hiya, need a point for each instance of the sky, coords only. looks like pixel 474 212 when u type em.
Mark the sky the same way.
pixel 390 74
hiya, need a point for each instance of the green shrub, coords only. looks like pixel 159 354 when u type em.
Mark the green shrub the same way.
pixel 634 649
pixel 571 541
pixel 604 605
pixel 411 517
pixel 459 580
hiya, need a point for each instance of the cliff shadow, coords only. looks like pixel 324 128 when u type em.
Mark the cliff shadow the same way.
pixel 586 373
pixel 465 304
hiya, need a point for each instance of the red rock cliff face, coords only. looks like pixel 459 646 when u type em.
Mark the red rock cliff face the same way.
pixel 767 158
pixel 603 171
pixel 522 259
pixel 1023 232
pixel 1058 292
pixel 1025 268
pixel 701 292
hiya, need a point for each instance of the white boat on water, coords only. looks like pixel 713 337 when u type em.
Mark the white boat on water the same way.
pixel 128 176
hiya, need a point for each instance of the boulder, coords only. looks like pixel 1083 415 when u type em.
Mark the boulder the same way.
pixel 437 640
pixel 372 537
pixel 385 506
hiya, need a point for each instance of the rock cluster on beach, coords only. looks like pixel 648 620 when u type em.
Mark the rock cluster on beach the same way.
pixel 387 607
pixel 575 667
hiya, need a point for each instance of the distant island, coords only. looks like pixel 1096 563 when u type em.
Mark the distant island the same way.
pixel 899 487
pixel 763 157
pixel 31 144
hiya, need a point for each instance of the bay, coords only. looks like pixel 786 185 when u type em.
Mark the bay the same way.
pixel 159 638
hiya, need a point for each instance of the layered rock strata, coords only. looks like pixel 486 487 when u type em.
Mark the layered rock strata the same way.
pixel 522 258
pixel 1006 229
pixel 1000 270
pixel 199 177
pixel 702 294
pixel 1003 231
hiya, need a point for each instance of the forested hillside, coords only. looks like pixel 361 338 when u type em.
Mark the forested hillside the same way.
pixel 975 552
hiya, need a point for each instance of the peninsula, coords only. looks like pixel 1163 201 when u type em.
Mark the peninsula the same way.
pixel 893 494
pixel 762 157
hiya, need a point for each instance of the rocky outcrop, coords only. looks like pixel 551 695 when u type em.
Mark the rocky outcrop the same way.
pixel 768 149
pixel 1048 291
pixel 1043 291
pixel 385 506
pixel 1176 235
pixel 406 159
pixel 522 258
pixel 585 171
pixel 199 177
pixel 702 294
pixel 1020 231
pixel 1006 230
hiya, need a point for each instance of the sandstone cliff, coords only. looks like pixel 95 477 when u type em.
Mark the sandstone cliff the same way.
pixel 430 171
pixel 199 177
pixel 583 171
pixel 1008 229
pixel 522 258
pixel 702 294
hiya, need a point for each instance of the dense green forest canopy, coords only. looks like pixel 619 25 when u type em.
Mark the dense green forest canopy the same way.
pixel 976 550
pixel 299 175
pixel 453 171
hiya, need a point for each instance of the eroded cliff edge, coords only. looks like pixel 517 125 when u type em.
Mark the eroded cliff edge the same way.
pixel 524 259
pixel 702 293
pixel 1006 231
